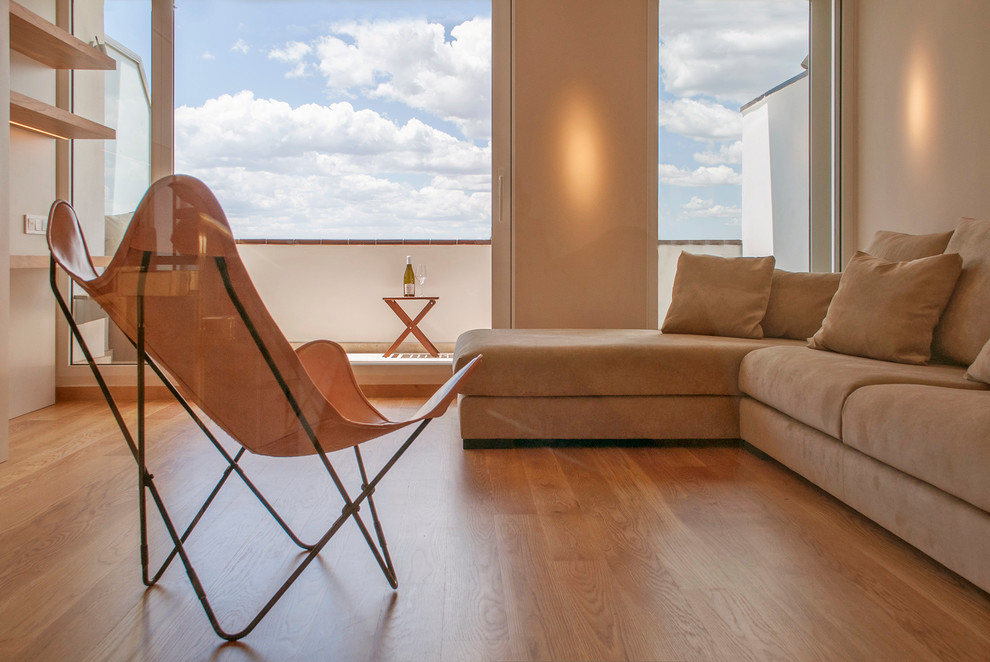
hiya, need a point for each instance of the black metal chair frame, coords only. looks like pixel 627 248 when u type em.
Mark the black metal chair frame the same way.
pixel 146 481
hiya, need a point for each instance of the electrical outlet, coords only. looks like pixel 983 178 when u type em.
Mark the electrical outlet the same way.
pixel 34 224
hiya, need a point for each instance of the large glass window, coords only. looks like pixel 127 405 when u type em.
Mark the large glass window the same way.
pixel 364 119
pixel 733 132
pixel 109 177
pixel 733 138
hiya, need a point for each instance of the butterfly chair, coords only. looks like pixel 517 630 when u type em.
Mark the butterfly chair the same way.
pixel 178 290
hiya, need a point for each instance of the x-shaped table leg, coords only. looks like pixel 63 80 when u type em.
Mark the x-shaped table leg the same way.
pixel 412 326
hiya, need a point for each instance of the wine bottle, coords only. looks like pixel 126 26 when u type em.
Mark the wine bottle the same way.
pixel 409 279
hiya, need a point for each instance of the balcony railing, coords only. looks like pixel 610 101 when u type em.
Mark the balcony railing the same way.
pixel 335 289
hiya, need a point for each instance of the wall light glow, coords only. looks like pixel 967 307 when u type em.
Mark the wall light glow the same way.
pixel 581 151
pixel 919 102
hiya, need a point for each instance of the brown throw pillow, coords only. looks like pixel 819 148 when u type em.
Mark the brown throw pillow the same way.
pixel 965 325
pixel 900 247
pixel 798 303
pixel 979 371
pixel 719 296
pixel 888 310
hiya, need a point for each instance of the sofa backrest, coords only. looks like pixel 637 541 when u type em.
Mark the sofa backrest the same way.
pixel 901 247
pixel 798 303
pixel 965 324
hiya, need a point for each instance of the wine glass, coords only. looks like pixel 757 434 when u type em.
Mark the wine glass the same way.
pixel 421 277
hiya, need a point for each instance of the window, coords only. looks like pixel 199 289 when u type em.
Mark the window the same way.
pixel 362 119
pixel 749 139
pixel 733 107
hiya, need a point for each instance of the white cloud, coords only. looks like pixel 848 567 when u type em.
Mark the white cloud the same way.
pixel 706 208
pixel 731 153
pixel 333 171
pixel 702 209
pixel 721 175
pixel 701 120
pixel 271 205
pixel 240 46
pixel 732 50
pixel 293 53
pixel 207 55
pixel 339 138
pixel 413 62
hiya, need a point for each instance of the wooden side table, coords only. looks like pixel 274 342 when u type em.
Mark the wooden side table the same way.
pixel 412 325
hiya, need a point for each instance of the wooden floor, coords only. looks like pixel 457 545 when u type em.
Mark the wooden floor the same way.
pixel 525 554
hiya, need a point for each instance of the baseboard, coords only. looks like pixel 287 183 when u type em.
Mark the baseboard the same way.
pixel 424 391
pixel 494 444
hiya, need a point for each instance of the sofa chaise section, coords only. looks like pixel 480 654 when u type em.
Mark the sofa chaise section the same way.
pixel 601 384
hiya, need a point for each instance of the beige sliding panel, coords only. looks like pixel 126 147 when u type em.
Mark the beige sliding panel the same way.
pixel 162 87
pixel 584 164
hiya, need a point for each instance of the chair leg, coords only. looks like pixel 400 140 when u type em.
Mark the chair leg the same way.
pixel 385 562
pixel 231 461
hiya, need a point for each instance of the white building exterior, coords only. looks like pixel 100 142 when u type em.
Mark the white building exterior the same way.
pixel 775 193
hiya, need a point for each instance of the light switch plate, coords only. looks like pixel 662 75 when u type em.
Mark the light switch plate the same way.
pixel 34 224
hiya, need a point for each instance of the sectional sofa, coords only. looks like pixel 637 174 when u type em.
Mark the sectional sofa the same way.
pixel 873 384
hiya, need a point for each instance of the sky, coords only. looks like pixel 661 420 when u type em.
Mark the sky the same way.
pixel 371 118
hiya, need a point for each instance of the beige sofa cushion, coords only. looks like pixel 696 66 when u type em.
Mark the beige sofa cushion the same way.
pixel 812 387
pixel 900 247
pixel 888 310
pixel 965 324
pixel 579 362
pixel 798 303
pixel 938 435
pixel 719 296
pixel 979 370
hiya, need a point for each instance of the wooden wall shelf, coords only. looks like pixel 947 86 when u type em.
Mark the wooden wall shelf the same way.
pixel 49 44
pixel 54 47
pixel 38 116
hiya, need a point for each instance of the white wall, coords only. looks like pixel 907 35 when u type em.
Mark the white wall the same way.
pixel 757 183
pixel 335 291
pixel 789 171
pixel 775 177
pixel 31 329
pixel 32 342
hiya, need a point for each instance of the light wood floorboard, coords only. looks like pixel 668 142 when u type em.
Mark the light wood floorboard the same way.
pixel 554 553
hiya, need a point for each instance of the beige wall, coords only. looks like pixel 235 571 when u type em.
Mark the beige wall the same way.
pixel 920 115
pixel 584 163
